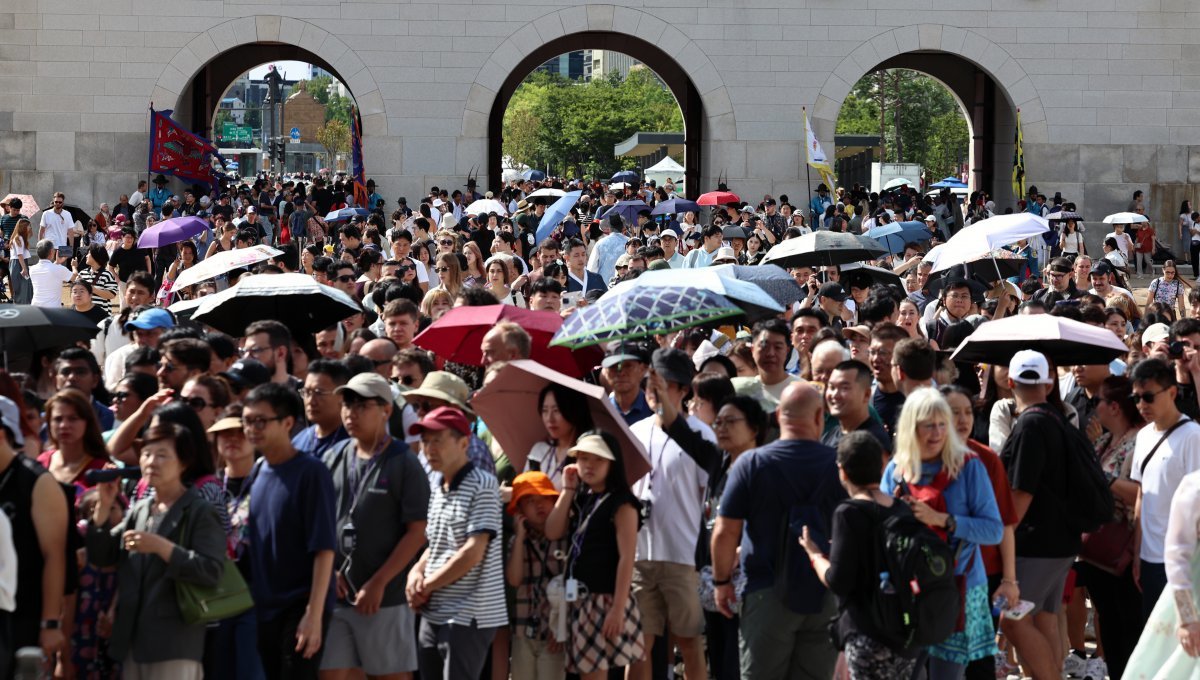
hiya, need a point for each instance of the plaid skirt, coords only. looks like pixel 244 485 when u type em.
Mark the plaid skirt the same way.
pixel 589 649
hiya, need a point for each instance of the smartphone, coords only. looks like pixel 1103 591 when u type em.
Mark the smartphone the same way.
pixel 1019 611
pixel 111 475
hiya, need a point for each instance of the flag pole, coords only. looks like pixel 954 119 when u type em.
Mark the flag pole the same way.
pixel 149 155
pixel 813 219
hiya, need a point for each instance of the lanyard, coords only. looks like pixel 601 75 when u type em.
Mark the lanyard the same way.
pixel 655 465
pixel 581 533
pixel 354 482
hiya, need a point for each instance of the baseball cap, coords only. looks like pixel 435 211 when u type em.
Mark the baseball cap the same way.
pixel 1101 267
pixel 658 265
pixel 1156 332
pixel 442 418
pixel 529 484
pixel 593 444
pixel 250 209
pixel 247 373
pixel 368 386
pixel 230 423
pixel 150 319
pixel 624 351
pixel 10 418
pixel 673 365
pixel 862 331
pixel 1029 367
pixel 832 290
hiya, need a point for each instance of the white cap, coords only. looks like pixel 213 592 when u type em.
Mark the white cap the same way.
pixel 1029 367
pixel 1156 332
pixel 10 418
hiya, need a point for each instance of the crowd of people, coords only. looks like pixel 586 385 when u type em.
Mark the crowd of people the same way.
pixel 360 518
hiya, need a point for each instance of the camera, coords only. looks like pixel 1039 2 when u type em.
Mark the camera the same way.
pixel 94 477
pixel 1175 349
pixel 349 537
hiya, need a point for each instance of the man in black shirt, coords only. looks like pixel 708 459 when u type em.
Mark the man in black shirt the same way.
pixel 1035 455
pixel 322 197
pixel 848 398
pixel 223 208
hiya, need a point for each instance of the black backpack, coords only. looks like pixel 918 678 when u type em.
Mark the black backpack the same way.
pixel 1088 502
pixel 917 600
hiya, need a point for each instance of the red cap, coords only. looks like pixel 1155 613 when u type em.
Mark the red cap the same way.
pixel 442 418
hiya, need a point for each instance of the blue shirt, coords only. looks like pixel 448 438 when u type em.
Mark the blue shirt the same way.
pixel 605 255
pixel 292 511
pixel 158 197
pixel 765 486
pixel 970 499
pixel 639 410
pixel 307 441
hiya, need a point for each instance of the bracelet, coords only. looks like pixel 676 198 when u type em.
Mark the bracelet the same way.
pixel 1010 580
pixel 570 488
pixel 722 582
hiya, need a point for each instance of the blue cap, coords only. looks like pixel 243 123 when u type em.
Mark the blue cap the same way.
pixel 151 319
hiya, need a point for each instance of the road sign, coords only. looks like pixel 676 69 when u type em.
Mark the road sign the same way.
pixel 295 134
pixel 235 133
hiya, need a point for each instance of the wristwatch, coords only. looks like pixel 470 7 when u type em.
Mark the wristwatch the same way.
pixel 49 624
pixel 951 525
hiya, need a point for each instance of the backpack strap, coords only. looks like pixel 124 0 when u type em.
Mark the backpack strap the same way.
pixel 1183 420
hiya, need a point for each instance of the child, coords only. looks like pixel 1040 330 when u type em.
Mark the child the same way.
pixel 605 625
pixel 532 561
pixel 96 606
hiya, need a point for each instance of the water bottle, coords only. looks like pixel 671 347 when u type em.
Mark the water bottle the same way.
pixel 885 583
pixel 999 606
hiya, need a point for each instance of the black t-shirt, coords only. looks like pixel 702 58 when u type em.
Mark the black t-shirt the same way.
pixel 95 314
pixel 323 199
pixel 888 405
pixel 1035 456
pixel 225 210
pixel 834 434
pixel 128 261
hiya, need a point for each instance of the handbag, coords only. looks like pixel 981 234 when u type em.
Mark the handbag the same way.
pixel 209 604
pixel 1110 548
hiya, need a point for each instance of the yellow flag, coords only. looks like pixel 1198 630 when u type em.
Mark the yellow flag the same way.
pixel 1018 172
pixel 815 155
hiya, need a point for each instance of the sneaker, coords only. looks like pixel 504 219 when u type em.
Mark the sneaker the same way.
pixel 1004 668
pixel 1074 665
pixel 1095 669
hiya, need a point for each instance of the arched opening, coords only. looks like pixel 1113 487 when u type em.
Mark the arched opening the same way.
pixel 663 66
pixel 272 139
pixel 984 162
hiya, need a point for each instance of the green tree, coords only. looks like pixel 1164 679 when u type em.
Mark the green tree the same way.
pixel 335 137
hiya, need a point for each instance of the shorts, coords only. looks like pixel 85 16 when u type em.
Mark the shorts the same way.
pixel 1042 580
pixel 667 592
pixel 380 644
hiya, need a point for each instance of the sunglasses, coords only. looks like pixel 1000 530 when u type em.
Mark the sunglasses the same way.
pixel 1147 397
pixel 441 270
pixel 196 403
pixel 407 380
pixel 446 242
pixel 121 396
pixel 345 278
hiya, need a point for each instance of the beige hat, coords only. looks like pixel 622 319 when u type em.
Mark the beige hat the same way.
pixel 725 253
pixel 368 386
pixel 593 444
pixel 225 424
pixel 445 386
pixel 863 331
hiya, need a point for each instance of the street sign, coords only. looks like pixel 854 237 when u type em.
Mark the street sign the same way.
pixel 295 134
pixel 235 133
pixel 242 134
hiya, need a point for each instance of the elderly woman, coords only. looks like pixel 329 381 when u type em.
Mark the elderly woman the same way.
pixel 948 489
pixel 172 537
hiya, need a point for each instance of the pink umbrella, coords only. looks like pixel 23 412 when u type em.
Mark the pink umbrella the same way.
pixel 29 206
pixel 509 406
pixel 1065 342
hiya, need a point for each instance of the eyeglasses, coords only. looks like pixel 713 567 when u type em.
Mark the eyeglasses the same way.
pixel 723 422
pixel 959 297
pixel 314 393
pixel 245 351
pixel 258 422
pixel 622 267
pixel 121 396
pixel 1147 397
pixel 406 380
pixel 345 278
pixel 424 406
pixel 196 403
pixel 441 270
pixel 446 242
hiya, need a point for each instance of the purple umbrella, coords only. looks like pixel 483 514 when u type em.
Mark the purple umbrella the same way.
pixel 628 210
pixel 173 230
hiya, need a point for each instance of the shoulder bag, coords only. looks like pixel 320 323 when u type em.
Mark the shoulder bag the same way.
pixel 205 604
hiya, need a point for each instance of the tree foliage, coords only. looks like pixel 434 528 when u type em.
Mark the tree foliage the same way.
pixel 335 137
pixel 337 107
pixel 571 127
pixel 916 116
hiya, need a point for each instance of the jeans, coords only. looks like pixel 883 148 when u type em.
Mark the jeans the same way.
pixel 1154 579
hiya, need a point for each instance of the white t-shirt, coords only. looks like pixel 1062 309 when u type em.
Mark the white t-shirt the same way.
pixel 1072 243
pixel 1124 243
pixel 675 488
pixel 48 279
pixel 1178 456
pixel 56 226
pixel 8 566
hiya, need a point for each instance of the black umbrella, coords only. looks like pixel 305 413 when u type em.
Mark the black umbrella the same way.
pixel 985 269
pixel 25 328
pixel 824 248
pixel 878 275
pixel 78 215
pixel 774 280
pixel 296 300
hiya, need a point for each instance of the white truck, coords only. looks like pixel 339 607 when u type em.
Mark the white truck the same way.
pixel 884 173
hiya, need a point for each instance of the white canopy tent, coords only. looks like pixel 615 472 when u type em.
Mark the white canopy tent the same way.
pixel 663 170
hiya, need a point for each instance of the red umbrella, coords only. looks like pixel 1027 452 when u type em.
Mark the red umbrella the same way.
pixel 718 198
pixel 457 337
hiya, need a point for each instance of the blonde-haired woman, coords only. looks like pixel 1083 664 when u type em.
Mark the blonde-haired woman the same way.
pixel 498 271
pixel 449 273
pixel 948 489
pixel 436 303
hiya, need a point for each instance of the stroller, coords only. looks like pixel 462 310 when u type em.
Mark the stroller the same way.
pixel 1162 253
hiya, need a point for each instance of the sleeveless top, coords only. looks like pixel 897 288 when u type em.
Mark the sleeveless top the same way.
pixel 16 498
pixel 593 557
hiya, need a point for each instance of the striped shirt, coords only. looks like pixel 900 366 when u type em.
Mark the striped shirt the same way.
pixel 470 506
pixel 100 280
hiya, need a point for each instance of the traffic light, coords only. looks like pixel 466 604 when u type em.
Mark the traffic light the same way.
pixel 273 147
pixel 282 154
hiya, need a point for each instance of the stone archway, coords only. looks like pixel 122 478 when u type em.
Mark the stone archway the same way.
pixel 179 72
pixel 712 110
pixel 943 52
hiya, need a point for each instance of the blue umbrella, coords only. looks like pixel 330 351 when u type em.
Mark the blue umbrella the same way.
pixel 555 214
pixel 533 175
pixel 346 214
pixel 626 176
pixel 628 210
pixel 893 236
pixel 675 206
pixel 949 183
